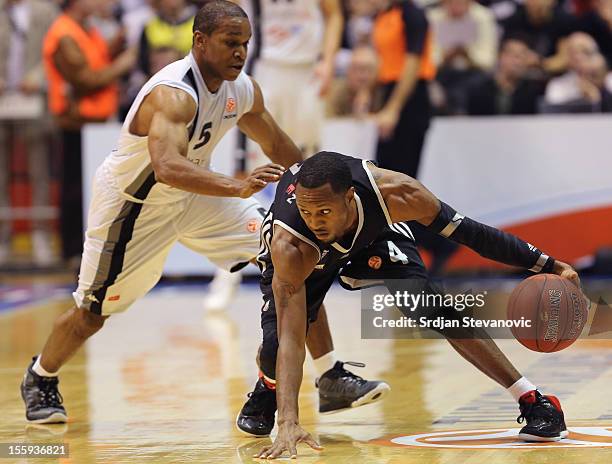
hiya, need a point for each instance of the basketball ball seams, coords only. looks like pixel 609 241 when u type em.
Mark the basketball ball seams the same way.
pixel 569 313
pixel 537 324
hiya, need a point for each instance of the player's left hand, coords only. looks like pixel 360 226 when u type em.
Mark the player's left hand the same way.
pixel 289 435
pixel 386 120
pixel 565 270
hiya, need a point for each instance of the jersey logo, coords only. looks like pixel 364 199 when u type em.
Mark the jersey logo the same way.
pixel 375 262
pixel 290 189
pixel 230 107
pixel 253 225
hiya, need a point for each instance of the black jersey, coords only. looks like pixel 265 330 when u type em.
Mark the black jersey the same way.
pixel 373 218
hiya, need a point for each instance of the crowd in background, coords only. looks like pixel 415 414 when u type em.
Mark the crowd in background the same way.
pixel 495 57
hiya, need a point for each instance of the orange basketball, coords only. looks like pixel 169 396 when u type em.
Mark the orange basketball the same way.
pixel 556 308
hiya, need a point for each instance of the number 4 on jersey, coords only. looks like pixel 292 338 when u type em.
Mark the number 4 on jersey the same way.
pixel 395 254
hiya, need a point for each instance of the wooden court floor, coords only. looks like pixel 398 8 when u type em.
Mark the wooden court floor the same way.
pixel 163 382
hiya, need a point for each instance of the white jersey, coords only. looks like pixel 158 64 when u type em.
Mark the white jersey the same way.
pixel 129 167
pixel 291 31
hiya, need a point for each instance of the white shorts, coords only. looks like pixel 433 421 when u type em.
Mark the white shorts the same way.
pixel 126 243
pixel 291 95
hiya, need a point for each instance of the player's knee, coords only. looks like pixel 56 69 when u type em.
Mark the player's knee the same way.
pixel 87 323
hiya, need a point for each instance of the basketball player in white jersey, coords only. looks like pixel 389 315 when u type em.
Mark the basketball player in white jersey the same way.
pixel 297 41
pixel 156 188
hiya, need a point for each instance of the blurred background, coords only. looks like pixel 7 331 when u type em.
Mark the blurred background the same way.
pixel 504 116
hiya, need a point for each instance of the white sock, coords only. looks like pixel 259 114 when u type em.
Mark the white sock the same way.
pixel 325 363
pixel 520 387
pixel 40 370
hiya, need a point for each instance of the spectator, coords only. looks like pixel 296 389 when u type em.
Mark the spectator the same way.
pixel 167 37
pixel 403 41
pixel 82 80
pixel 23 24
pixel 507 90
pixel 465 45
pixel 355 94
pixel 544 24
pixel 465 35
pixel 598 24
pixel 583 87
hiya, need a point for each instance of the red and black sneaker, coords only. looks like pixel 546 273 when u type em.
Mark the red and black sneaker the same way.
pixel 256 418
pixel 544 416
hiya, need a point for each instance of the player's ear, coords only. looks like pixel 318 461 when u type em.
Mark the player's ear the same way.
pixel 350 194
pixel 199 40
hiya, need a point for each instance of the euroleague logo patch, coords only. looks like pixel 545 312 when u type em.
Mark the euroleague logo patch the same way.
pixel 579 437
pixel 375 262
pixel 253 225
pixel 230 105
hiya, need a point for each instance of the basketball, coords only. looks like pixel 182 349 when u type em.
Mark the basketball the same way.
pixel 556 308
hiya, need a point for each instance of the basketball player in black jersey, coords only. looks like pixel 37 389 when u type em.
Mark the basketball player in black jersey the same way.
pixel 332 213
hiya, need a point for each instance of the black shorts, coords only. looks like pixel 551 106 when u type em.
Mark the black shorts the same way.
pixel 392 255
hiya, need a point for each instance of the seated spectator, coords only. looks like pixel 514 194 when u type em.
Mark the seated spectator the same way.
pixel 354 95
pixel 598 24
pixel 544 23
pixel 465 44
pixel 465 35
pixel 167 37
pixel 507 90
pixel 583 87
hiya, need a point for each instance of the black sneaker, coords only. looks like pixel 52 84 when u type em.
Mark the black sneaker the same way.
pixel 545 421
pixel 256 418
pixel 340 389
pixel 42 399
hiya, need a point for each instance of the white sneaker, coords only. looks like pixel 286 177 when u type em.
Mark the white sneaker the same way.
pixel 222 290
pixel 42 254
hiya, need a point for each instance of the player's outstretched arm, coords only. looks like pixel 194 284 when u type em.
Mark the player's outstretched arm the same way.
pixel 165 116
pixel 408 200
pixel 259 125
pixel 293 261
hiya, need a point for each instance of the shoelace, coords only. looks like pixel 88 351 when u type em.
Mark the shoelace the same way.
pixel 351 375
pixel 257 398
pixel 530 409
pixel 524 414
pixel 49 394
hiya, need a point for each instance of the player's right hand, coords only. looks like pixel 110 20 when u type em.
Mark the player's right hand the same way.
pixel 289 435
pixel 259 178
pixel 565 270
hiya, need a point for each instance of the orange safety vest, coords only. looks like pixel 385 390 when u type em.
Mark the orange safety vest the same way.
pixel 390 43
pixel 98 105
